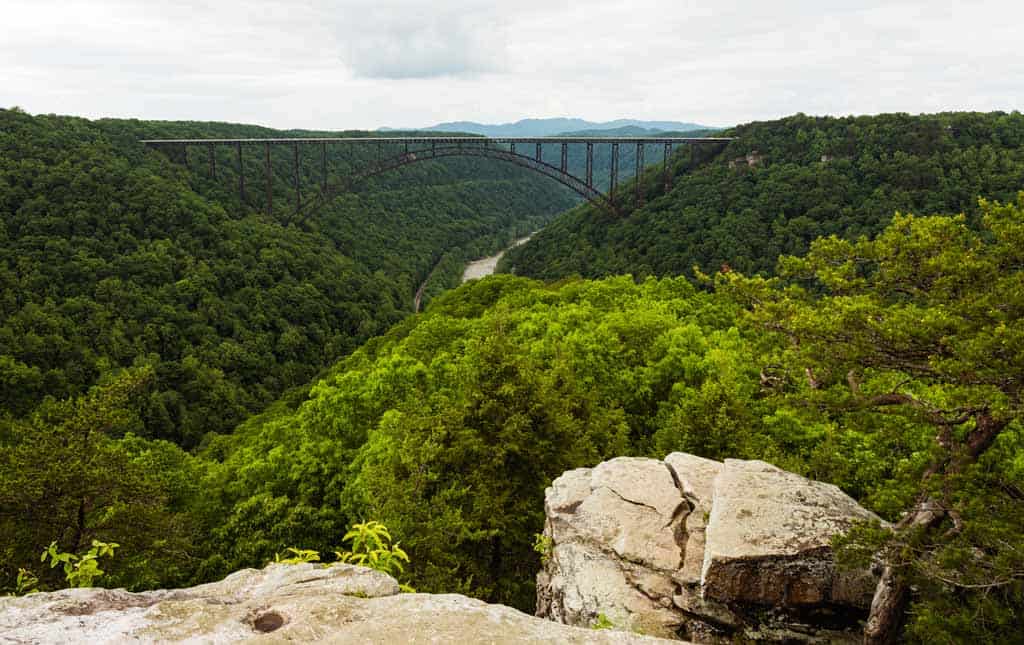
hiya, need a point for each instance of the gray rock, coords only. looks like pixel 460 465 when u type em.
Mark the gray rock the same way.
pixel 303 603
pixel 769 539
pixel 645 482
pixel 695 478
pixel 615 530
pixel 695 548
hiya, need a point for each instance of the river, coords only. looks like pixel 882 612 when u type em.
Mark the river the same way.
pixel 485 266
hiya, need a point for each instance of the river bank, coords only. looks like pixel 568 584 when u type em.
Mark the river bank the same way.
pixel 470 271
pixel 485 266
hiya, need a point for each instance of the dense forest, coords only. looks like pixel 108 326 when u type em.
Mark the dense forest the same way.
pixel 811 177
pixel 448 427
pixel 886 358
pixel 113 256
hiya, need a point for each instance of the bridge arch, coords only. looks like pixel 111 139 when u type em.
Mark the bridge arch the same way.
pixel 567 179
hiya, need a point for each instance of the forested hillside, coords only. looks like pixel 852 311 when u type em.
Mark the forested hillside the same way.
pixel 810 177
pixel 147 311
pixel 904 386
pixel 112 256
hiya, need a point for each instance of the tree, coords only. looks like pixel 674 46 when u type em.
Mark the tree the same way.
pixel 67 479
pixel 925 323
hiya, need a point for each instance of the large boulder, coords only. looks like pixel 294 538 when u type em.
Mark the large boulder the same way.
pixel 769 540
pixel 301 603
pixel 694 548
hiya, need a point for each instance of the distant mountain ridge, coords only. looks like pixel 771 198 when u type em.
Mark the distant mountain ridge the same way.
pixel 637 131
pixel 553 126
pixel 623 131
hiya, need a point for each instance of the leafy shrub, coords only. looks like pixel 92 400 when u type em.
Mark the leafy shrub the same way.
pixel 299 556
pixel 543 545
pixel 79 570
pixel 372 547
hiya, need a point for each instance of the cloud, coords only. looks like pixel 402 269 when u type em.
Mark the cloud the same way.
pixel 404 40
pixel 338 64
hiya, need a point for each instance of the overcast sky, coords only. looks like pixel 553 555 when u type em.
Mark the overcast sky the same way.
pixel 370 63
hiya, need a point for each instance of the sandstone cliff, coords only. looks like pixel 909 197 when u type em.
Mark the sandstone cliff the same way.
pixel 693 548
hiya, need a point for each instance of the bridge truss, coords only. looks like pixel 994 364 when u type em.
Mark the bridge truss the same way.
pixel 395 152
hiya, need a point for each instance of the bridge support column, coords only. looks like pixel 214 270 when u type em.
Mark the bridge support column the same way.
pixel 178 153
pixel 213 161
pixel 590 165
pixel 512 147
pixel 270 181
pixel 241 173
pixel 323 167
pixel 639 174
pixel 696 155
pixel 565 156
pixel 538 156
pixel 615 172
pixel 666 171
pixel 295 169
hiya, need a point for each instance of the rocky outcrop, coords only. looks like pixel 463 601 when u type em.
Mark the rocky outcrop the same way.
pixel 302 603
pixel 693 548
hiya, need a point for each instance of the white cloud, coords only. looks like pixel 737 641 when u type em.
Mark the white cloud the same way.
pixel 360 63
pixel 400 40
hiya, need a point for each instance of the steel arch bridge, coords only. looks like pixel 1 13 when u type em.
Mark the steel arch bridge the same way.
pixel 395 152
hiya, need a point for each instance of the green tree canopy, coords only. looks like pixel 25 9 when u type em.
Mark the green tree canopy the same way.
pixel 921 331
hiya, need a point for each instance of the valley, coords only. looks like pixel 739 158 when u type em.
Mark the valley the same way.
pixel 213 387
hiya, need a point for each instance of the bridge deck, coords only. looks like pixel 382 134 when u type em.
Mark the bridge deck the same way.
pixel 627 140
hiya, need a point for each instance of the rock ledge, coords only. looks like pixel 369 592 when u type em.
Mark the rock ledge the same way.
pixel 694 548
pixel 302 603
